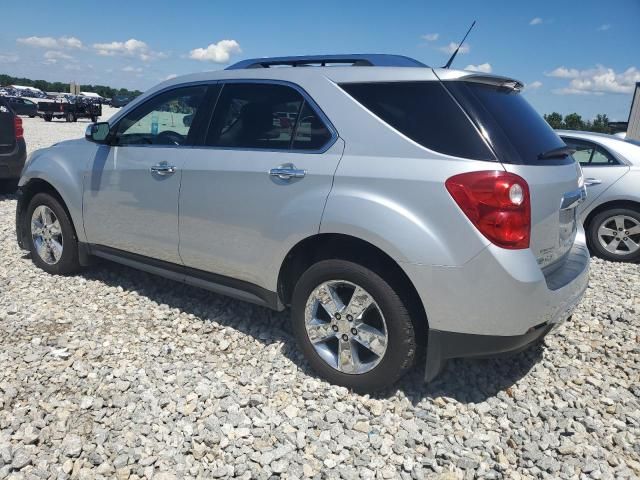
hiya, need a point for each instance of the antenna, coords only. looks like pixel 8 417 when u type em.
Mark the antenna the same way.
pixel 459 45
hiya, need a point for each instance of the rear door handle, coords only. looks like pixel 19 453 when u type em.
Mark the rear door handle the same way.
pixel 163 169
pixel 590 182
pixel 287 172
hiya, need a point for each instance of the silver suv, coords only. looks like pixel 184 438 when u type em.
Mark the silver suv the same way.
pixel 390 205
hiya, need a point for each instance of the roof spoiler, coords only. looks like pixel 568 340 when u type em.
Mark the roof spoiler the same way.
pixel 467 76
pixel 355 60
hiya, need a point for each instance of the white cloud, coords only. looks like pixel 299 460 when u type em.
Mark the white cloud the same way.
pixel 596 81
pixel 9 58
pixel 464 48
pixel 535 21
pixel 170 76
pixel 51 43
pixel 430 37
pixel 52 56
pixel 563 72
pixel 533 85
pixel 129 48
pixel 604 27
pixel 483 67
pixel 216 52
pixel 130 69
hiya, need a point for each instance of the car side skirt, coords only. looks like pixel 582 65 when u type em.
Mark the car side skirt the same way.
pixel 221 284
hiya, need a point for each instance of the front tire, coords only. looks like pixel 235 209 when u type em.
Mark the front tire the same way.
pixel 52 240
pixel 615 235
pixel 352 327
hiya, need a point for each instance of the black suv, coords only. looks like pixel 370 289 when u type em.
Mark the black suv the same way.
pixel 13 150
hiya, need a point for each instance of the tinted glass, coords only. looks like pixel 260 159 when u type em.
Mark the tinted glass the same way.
pixel 424 112
pixel 163 120
pixel 250 115
pixel 311 132
pixel 517 132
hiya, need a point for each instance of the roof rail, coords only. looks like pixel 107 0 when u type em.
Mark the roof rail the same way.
pixel 356 60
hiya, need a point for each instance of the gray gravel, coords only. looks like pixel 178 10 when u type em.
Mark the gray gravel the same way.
pixel 115 373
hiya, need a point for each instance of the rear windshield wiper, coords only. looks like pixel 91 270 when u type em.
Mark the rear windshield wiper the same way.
pixel 559 152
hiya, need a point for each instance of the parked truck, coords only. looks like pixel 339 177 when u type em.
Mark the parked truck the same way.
pixel 70 108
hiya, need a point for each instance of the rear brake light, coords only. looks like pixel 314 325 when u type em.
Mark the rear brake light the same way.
pixel 17 126
pixel 497 203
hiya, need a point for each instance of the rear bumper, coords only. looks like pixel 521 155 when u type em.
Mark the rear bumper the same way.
pixel 498 302
pixel 12 162
pixel 445 345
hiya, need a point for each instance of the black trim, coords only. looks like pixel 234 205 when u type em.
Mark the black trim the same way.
pixel 20 230
pixel 633 101
pixel 221 284
pixel 443 345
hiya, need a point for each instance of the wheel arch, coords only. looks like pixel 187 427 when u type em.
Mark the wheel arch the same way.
pixel 631 204
pixel 29 190
pixel 325 246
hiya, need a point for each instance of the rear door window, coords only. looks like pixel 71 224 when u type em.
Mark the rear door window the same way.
pixel 252 115
pixel 426 113
pixel 311 131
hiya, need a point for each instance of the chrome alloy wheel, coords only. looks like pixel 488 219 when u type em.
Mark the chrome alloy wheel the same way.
pixel 620 235
pixel 47 235
pixel 346 326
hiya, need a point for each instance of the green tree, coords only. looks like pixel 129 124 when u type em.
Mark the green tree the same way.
pixel 555 120
pixel 601 124
pixel 46 86
pixel 573 121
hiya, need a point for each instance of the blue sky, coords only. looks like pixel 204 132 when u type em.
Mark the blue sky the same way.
pixel 577 56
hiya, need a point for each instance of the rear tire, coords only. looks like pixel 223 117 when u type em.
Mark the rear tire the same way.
pixel 47 118
pixel 615 235
pixel 52 240
pixel 366 369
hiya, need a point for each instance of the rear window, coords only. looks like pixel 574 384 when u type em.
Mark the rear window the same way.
pixel 426 113
pixel 515 130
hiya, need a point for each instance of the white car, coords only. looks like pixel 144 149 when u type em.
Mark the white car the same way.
pixel 611 214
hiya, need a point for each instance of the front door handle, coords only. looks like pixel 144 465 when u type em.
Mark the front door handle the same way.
pixel 287 172
pixel 590 182
pixel 163 169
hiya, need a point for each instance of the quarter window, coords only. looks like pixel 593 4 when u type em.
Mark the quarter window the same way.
pixel 424 112
pixel 164 120
pixel 267 116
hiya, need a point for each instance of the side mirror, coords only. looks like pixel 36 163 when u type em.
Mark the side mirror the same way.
pixel 98 132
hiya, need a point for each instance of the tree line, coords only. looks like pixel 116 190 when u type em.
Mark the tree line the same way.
pixel 573 121
pixel 45 86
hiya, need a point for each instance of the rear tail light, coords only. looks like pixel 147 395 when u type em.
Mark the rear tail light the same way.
pixel 497 203
pixel 17 127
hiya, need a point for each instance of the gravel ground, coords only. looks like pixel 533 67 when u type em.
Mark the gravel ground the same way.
pixel 117 373
pixel 39 134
